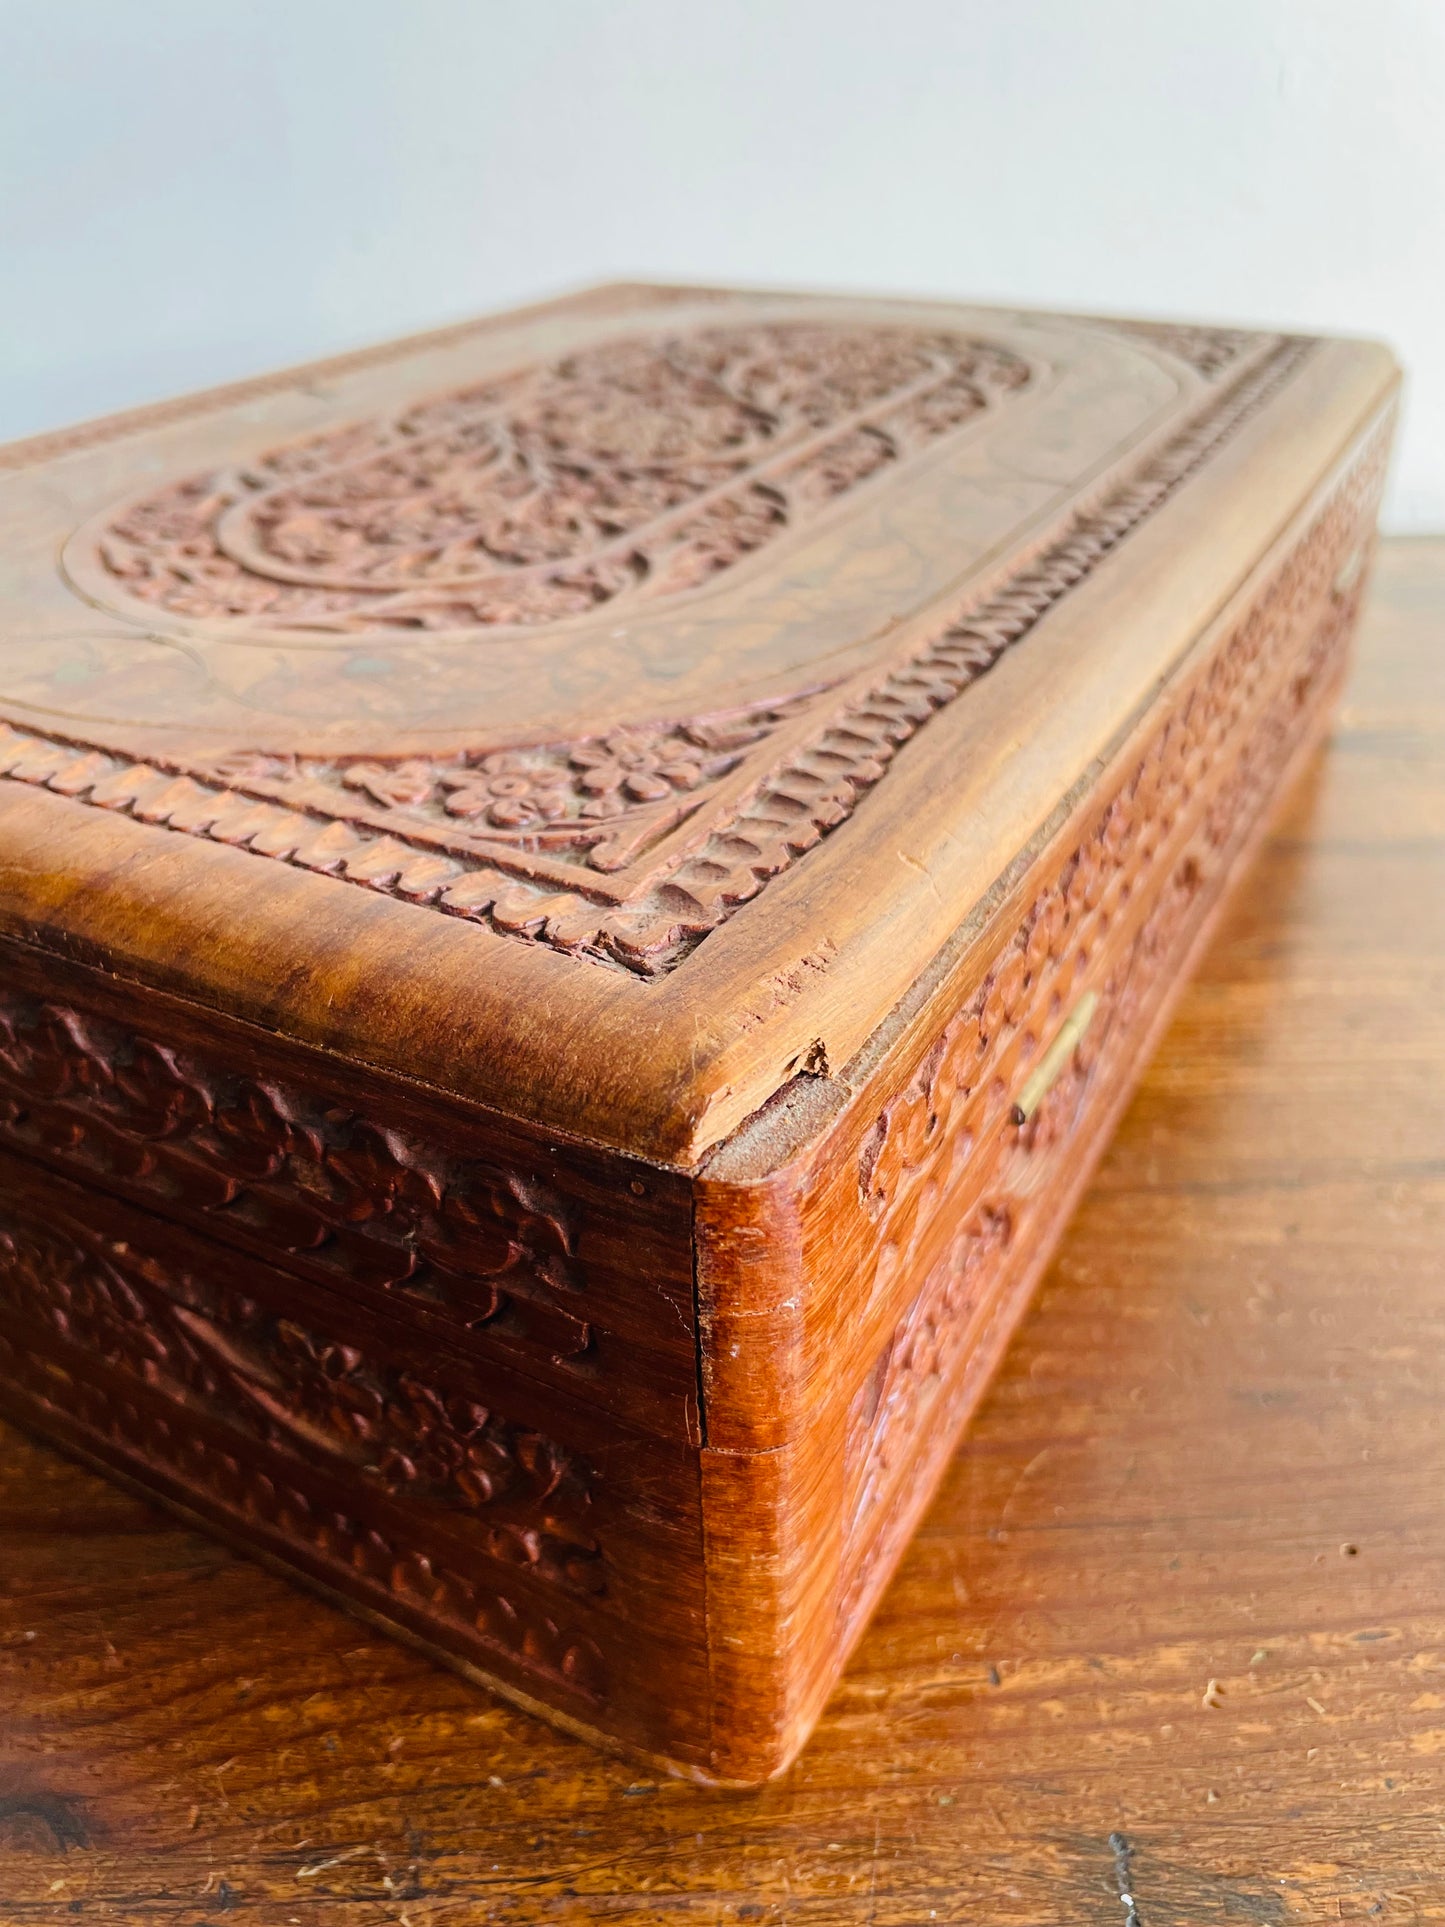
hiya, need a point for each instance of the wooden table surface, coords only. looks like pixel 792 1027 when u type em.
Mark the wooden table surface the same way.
pixel 1174 1628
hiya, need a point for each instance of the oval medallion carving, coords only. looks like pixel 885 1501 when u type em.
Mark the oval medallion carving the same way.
pixel 638 468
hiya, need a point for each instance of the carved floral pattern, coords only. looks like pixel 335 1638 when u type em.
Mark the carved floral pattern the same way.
pixel 386 825
pixel 386 1566
pixel 639 467
pixel 243 1366
pixel 595 802
pixel 812 792
pixel 360 1201
pixel 1108 920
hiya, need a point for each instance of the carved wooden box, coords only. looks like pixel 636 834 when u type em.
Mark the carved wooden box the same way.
pixel 577 897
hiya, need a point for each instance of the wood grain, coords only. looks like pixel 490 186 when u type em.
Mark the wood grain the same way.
pixel 714 788
pixel 1175 1617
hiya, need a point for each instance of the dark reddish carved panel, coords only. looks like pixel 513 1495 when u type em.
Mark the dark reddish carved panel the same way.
pixel 369 1202
pixel 364 1458
pixel 525 1499
pixel 514 1248
pixel 1117 920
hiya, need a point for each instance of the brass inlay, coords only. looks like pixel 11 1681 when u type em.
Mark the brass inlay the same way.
pixel 1046 1071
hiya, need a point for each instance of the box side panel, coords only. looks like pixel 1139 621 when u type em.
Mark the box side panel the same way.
pixel 535 1257
pixel 437 1364
pixel 521 1541
pixel 835 1386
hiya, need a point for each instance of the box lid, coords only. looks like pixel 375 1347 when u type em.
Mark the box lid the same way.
pixel 606 711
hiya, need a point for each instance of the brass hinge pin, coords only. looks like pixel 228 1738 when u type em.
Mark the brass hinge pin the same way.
pixel 1045 1073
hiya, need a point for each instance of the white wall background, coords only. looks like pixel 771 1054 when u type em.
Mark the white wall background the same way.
pixel 192 190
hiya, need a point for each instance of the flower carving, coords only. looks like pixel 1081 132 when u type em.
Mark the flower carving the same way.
pixel 393 785
pixel 156 1097
pixel 631 468
pixel 509 792
pixel 259 1136
pixel 595 800
pixel 515 790
pixel 627 767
